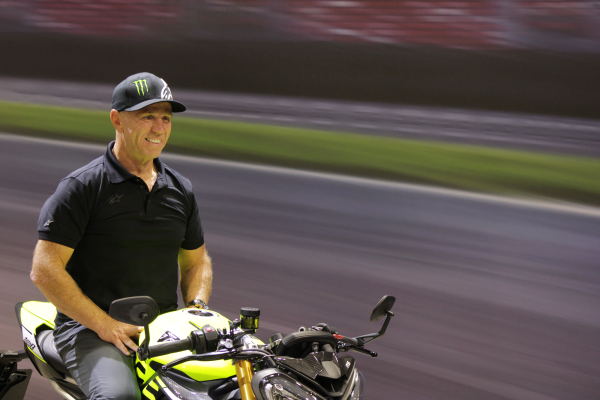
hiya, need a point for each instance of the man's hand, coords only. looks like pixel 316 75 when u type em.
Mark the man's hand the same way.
pixel 120 334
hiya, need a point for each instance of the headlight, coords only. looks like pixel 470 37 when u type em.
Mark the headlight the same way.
pixel 281 387
pixel 357 391
pixel 176 391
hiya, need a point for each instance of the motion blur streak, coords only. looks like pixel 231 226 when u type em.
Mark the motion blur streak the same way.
pixel 554 134
pixel 472 24
pixel 495 300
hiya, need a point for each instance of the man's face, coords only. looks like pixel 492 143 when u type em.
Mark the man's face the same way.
pixel 145 132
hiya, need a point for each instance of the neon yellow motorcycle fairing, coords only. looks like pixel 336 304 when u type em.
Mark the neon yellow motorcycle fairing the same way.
pixel 37 316
pixel 177 325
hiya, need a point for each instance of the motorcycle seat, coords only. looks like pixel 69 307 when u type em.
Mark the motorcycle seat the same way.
pixel 48 348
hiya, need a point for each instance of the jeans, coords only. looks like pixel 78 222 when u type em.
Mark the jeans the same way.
pixel 100 369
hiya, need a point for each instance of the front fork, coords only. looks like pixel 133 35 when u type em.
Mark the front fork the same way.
pixel 244 372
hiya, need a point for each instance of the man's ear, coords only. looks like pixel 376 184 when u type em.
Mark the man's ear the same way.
pixel 115 118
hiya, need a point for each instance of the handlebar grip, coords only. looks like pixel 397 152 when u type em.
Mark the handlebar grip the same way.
pixel 169 347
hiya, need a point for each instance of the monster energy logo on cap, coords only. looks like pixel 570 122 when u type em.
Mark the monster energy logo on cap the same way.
pixel 141 90
pixel 139 84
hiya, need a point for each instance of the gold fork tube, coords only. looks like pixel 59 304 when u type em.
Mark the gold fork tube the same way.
pixel 244 372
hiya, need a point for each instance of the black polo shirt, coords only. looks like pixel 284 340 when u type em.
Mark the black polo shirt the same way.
pixel 126 238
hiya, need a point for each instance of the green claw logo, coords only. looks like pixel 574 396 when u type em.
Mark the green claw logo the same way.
pixel 139 85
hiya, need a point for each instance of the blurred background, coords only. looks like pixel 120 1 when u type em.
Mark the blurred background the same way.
pixel 520 55
pixel 497 297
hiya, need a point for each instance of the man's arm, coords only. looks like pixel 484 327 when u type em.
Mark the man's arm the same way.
pixel 195 267
pixel 49 275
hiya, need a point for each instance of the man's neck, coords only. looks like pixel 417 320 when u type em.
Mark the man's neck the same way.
pixel 144 169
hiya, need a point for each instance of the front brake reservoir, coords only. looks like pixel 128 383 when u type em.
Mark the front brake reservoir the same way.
pixel 249 318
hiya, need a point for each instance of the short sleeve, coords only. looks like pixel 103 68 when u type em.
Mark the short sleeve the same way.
pixel 65 214
pixel 194 234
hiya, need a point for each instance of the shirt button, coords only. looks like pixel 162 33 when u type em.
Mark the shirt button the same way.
pixel 149 201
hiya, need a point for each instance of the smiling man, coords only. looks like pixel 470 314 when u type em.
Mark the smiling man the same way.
pixel 123 225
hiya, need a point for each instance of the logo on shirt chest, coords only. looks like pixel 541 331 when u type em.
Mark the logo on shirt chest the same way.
pixel 115 198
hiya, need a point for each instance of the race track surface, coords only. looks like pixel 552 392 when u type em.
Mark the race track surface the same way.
pixel 495 299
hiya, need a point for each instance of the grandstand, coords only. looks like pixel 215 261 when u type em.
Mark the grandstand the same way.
pixel 470 24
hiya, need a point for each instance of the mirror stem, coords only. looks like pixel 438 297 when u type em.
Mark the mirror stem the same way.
pixel 144 347
pixel 387 321
pixel 364 339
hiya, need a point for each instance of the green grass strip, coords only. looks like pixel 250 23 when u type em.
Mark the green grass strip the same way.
pixel 474 168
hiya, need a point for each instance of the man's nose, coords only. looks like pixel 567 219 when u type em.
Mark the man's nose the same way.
pixel 159 126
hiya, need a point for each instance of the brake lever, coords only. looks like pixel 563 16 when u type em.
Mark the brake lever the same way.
pixel 354 344
pixel 364 351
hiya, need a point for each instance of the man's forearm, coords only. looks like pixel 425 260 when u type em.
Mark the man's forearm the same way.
pixel 196 281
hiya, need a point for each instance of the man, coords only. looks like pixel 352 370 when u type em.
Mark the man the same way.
pixel 115 228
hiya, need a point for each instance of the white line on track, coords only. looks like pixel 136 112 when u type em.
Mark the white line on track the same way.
pixel 548 205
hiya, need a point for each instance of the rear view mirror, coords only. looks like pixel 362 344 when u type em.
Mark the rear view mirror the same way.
pixel 139 310
pixel 382 308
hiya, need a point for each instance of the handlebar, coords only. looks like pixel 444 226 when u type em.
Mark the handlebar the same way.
pixel 170 347
pixel 349 341
pixel 205 340
pixel 355 344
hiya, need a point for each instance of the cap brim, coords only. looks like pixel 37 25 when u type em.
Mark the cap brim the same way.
pixel 175 105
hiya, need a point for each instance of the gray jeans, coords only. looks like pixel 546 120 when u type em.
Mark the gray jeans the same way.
pixel 99 368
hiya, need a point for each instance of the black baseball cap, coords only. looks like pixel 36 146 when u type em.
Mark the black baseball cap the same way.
pixel 141 90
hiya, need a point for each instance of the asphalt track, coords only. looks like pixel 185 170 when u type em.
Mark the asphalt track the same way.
pixel 550 134
pixel 496 299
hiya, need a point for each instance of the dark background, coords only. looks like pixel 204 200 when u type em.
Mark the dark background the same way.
pixel 522 55
pixel 508 80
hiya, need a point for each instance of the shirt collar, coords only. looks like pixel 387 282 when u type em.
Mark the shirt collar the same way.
pixel 117 172
pixel 161 179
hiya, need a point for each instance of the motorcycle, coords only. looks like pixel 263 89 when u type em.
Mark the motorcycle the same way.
pixel 201 355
